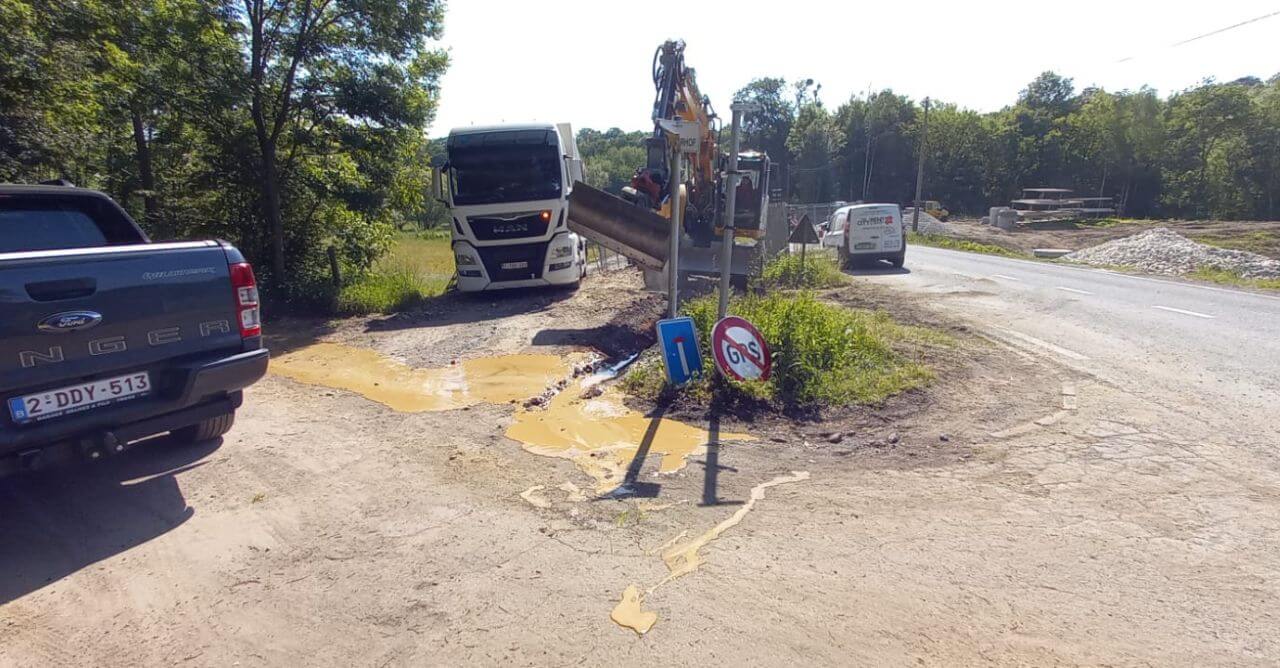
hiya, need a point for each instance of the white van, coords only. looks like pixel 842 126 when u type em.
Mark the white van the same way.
pixel 864 233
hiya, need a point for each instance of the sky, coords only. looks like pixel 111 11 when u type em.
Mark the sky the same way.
pixel 588 62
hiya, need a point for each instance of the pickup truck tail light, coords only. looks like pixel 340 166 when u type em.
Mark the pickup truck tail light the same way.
pixel 246 289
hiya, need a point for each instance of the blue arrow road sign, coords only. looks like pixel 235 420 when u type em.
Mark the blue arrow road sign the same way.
pixel 679 344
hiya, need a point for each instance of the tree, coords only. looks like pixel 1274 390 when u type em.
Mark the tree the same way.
pixel 48 80
pixel 169 66
pixel 321 71
pixel 1205 132
pixel 1096 140
pixel 877 161
pixel 611 157
pixel 1049 92
pixel 813 142
pixel 956 159
pixel 1264 146
pixel 766 129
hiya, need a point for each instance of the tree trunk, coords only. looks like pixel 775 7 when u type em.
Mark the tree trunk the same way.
pixel 268 134
pixel 145 174
pixel 271 197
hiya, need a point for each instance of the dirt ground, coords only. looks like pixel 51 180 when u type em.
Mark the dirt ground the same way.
pixel 1265 235
pixel 1014 513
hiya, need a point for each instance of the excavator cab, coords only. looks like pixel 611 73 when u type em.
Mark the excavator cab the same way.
pixel 750 197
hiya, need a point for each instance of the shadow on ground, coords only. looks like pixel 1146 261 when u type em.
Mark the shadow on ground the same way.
pixel 454 308
pixel 879 268
pixel 283 335
pixel 59 521
pixel 628 332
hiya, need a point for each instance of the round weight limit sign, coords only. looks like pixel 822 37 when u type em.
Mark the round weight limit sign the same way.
pixel 740 350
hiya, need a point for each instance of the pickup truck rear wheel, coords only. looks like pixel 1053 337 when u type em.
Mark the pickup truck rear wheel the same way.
pixel 206 430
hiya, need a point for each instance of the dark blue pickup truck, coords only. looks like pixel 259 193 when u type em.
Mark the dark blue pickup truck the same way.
pixel 107 338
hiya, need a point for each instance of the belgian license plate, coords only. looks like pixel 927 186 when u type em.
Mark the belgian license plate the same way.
pixel 77 398
pixel 515 265
pixel 864 245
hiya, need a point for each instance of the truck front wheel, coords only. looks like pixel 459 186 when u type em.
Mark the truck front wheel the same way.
pixel 205 430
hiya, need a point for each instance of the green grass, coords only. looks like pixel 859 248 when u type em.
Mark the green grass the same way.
pixel 939 241
pixel 1224 277
pixel 819 271
pixel 1261 242
pixel 823 354
pixel 630 516
pixel 418 267
pixel 427 253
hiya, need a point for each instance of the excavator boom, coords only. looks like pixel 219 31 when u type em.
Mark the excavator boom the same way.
pixel 639 225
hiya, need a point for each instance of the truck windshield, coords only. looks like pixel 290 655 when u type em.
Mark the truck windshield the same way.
pixel 496 174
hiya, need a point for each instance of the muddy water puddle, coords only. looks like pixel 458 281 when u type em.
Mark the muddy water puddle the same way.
pixel 602 436
pixel 494 380
pixel 586 424
pixel 683 557
pixel 598 433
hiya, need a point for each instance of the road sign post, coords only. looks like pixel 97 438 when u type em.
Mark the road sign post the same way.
pixel 804 234
pixel 740 350
pixel 731 196
pixel 678 341
pixel 683 137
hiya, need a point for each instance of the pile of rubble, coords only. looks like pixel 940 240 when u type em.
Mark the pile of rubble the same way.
pixel 1163 251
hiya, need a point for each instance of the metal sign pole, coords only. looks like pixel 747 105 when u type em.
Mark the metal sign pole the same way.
pixel 800 278
pixel 676 198
pixel 731 196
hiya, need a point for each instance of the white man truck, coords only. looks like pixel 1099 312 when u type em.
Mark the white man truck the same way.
pixel 507 190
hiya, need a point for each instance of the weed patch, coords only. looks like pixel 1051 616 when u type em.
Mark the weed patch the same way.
pixel 818 271
pixel 419 266
pixel 1224 277
pixel 1260 242
pixel 824 355
pixel 939 241
pixel 386 290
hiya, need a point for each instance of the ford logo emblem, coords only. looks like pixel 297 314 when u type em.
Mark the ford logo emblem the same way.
pixel 69 321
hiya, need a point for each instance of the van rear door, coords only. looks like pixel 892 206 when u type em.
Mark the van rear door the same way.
pixel 875 228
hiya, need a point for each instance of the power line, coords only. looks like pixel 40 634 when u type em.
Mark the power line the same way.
pixel 1222 30
pixel 1219 31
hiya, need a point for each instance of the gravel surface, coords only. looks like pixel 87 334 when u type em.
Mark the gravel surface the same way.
pixel 1163 251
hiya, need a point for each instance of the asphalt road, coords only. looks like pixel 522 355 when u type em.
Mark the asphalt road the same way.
pixel 1213 351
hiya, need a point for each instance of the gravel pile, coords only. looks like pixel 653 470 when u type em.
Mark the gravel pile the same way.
pixel 928 224
pixel 1163 251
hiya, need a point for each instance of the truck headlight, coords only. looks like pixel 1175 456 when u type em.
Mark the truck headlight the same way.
pixel 464 259
pixel 561 252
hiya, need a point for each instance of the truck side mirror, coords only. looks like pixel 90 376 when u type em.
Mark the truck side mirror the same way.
pixel 437 188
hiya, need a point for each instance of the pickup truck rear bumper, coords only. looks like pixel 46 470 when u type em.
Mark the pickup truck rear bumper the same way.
pixel 199 389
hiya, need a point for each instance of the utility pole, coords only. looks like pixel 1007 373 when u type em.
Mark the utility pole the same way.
pixel 924 141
